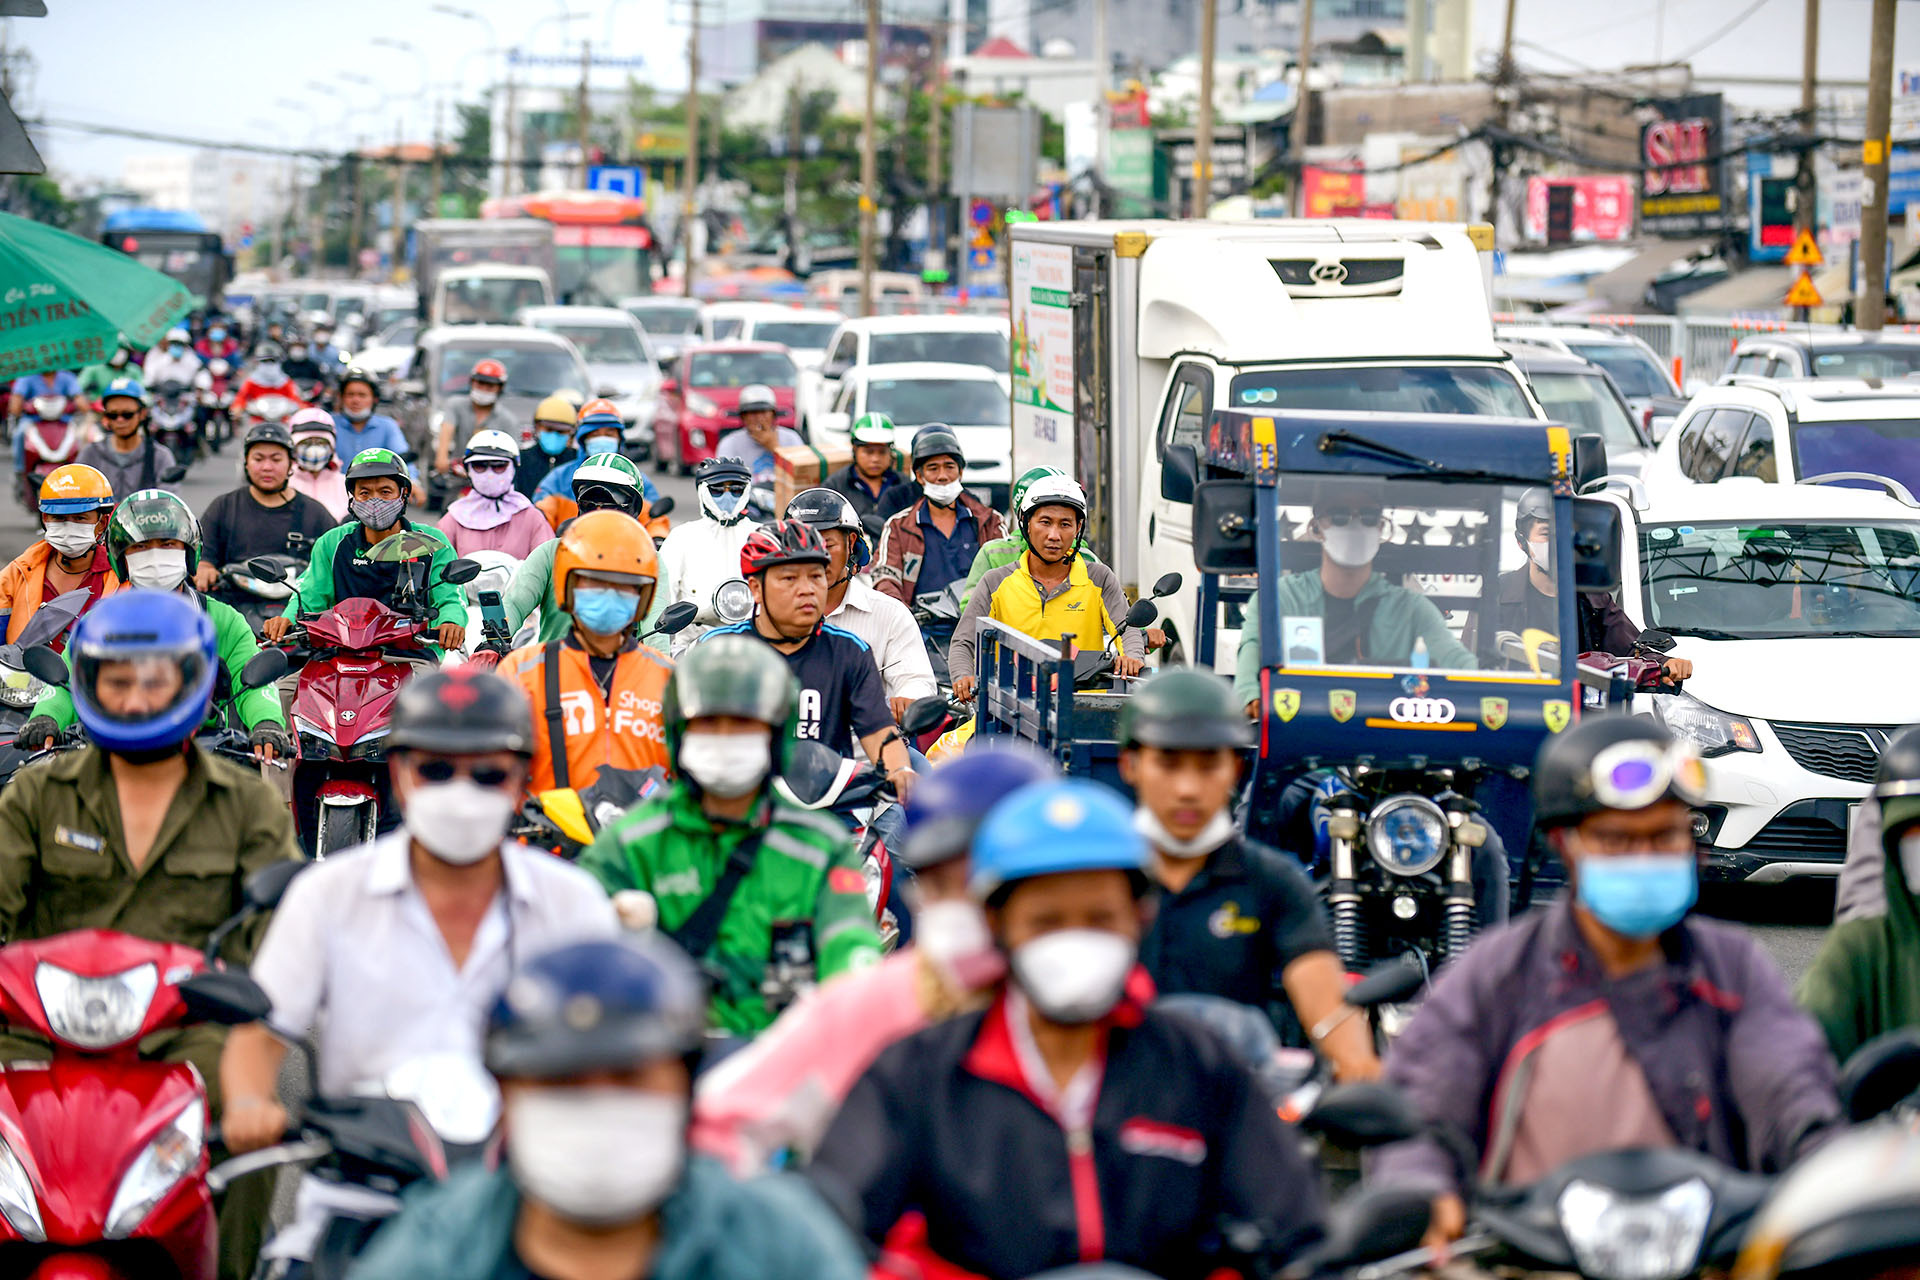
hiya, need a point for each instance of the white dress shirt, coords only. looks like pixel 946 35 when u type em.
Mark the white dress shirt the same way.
pixel 899 650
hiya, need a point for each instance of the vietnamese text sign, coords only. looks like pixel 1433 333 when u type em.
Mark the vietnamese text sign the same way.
pixel 1683 190
pixel 1042 365
pixel 1602 206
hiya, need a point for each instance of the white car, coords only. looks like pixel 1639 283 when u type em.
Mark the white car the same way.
pixel 1786 430
pixel 1799 607
pixel 865 340
pixel 803 332
pixel 670 322
pixel 973 401
pixel 622 363
pixel 720 321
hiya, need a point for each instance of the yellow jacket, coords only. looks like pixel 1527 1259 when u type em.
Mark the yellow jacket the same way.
pixel 1087 607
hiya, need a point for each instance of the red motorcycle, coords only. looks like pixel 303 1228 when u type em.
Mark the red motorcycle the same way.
pixel 103 1156
pixel 52 441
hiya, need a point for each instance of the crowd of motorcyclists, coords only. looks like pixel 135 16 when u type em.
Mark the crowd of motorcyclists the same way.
pixel 708 1050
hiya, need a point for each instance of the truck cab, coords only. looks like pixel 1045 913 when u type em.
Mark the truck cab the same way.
pixel 490 294
pixel 1127 337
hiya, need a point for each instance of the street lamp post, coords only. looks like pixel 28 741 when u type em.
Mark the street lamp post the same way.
pixel 493 46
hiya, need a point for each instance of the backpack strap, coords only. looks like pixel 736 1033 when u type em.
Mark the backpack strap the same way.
pixel 556 734
pixel 699 931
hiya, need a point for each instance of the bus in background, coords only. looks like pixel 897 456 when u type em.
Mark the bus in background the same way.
pixel 603 246
pixel 176 243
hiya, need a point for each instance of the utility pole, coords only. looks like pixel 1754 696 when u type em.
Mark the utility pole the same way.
pixel 353 223
pixel 1870 309
pixel 936 258
pixel 690 176
pixel 1203 131
pixel 868 177
pixel 1804 198
pixel 1302 108
pixel 791 203
pixel 1497 152
pixel 512 131
pixel 399 205
pixel 433 201
pixel 586 118
pixel 1102 108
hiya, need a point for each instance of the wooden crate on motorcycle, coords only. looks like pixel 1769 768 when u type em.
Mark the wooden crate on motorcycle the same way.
pixel 802 466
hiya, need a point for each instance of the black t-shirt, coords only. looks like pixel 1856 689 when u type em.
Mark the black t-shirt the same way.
pixel 534 465
pixel 841 697
pixel 1235 928
pixel 235 527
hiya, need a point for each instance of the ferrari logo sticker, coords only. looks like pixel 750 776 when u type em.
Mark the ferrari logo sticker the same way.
pixel 1286 703
pixel 1556 714
pixel 1341 703
pixel 1493 712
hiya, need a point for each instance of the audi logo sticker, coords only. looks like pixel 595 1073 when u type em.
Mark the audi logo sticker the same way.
pixel 1422 710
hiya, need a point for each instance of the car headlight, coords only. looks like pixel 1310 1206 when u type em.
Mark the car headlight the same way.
pixel 96 1013
pixel 18 1201
pixel 733 601
pixel 1711 732
pixel 1407 835
pixel 173 1153
pixel 702 406
pixel 1617 1237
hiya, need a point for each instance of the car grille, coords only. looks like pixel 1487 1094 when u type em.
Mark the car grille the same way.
pixel 1850 753
pixel 1806 831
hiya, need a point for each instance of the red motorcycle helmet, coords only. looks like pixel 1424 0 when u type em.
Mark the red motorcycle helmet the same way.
pixel 782 542
pixel 489 371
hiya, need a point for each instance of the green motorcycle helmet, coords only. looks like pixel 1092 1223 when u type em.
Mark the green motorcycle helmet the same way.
pixel 1021 485
pixel 732 675
pixel 1184 709
pixel 148 516
pixel 371 464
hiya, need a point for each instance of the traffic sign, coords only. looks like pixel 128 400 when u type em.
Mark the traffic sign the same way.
pixel 1805 253
pixel 1803 294
pixel 621 180
pixel 246 241
pixel 980 259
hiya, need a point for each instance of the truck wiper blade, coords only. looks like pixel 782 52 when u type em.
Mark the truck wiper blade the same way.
pixel 1706 633
pixel 1343 441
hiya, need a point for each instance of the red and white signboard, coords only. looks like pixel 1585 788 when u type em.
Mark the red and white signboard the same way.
pixel 1602 206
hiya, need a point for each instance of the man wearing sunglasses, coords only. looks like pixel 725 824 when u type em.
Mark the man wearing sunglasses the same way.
pixel 1367 620
pixel 701 554
pixel 129 458
pixel 494 515
pixel 447 905
pixel 1611 1018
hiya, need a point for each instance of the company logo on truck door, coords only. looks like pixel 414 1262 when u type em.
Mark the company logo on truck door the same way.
pixel 1422 710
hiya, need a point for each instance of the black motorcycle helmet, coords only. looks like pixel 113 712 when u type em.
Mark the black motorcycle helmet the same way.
pixel 826 509
pixel 461 711
pixel 268 353
pixel 268 433
pixel 365 379
pixel 1184 709
pixel 1535 507
pixel 1896 785
pixel 937 440
pixel 1578 773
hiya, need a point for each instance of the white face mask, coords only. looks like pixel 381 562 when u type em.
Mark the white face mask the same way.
pixel 598 1156
pixel 1074 976
pixel 71 539
pixel 950 931
pixel 727 764
pixel 484 397
pixel 458 821
pixel 1910 860
pixel 1216 833
pixel 161 569
pixel 944 495
pixel 1351 545
pixel 1541 553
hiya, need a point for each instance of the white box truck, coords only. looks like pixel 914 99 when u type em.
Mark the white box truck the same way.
pixel 1127 335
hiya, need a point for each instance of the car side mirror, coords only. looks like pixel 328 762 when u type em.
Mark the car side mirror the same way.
pixel 263 668
pixel 44 665
pixel 1596 545
pixel 661 506
pixel 265 887
pixel 1589 459
pixel 1223 527
pixel 460 572
pixel 924 715
pixel 226 997
pixel 1179 473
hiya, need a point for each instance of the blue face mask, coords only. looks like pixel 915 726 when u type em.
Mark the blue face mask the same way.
pixel 217 335
pixel 603 610
pixel 602 444
pixel 177 350
pixel 1638 895
pixel 554 442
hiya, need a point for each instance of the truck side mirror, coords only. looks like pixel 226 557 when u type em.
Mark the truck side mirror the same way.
pixel 1179 473
pixel 1596 545
pixel 1589 459
pixel 1223 526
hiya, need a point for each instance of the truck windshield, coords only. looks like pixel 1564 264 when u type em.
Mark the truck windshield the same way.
pixel 912 402
pixel 1777 580
pixel 1585 402
pixel 666 320
pixel 1404 574
pixel 1400 389
pixel 531 370
pixel 491 299
pixel 602 343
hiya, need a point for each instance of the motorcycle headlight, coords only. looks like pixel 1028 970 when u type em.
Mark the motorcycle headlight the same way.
pixel 1710 731
pixel 96 1013
pixel 1616 1237
pixel 733 600
pixel 18 1202
pixel 18 689
pixel 173 1153
pixel 1407 835
pixel 702 406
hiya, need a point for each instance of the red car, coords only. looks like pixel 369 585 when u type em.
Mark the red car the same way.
pixel 697 399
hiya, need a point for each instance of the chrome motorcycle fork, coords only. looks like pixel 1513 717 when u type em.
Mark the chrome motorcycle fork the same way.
pixel 1343 888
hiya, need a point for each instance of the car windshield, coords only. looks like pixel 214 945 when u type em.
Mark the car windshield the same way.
pixel 725 327
pixel 989 350
pixel 1585 402
pixel 1895 360
pixel 1636 373
pixel 802 335
pixel 602 343
pixel 667 320
pixel 739 368
pixel 491 299
pixel 1426 558
pixel 967 402
pixel 1407 388
pixel 1779 579
pixel 531 371
pixel 1889 447
pixel 398 334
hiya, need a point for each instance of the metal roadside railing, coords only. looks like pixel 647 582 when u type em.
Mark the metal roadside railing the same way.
pixel 1692 347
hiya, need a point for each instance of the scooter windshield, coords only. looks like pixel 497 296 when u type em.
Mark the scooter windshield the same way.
pixel 408 544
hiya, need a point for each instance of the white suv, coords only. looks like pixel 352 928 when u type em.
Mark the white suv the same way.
pixel 1788 430
pixel 1799 606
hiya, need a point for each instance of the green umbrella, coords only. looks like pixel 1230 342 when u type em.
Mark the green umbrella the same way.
pixel 65 301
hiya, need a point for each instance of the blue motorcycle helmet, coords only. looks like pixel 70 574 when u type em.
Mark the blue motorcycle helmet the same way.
pixel 951 802
pixel 600 1005
pixel 143 670
pixel 1053 827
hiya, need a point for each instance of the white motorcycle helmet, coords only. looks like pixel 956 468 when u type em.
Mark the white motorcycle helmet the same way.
pixel 493 444
pixel 726 508
pixel 1054 491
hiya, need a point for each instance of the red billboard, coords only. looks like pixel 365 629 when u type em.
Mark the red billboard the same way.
pixel 1602 209
pixel 1333 193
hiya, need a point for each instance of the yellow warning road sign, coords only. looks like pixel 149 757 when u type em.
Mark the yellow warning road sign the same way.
pixel 1803 294
pixel 1805 253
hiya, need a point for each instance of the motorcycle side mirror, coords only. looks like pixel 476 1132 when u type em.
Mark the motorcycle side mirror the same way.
pixel 460 572
pixel 263 668
pixel 174 476
pixel 266 570
pixel 1166 585
pixel 1372 1222
pixel 1365 1114
pixel 45 665
pixel 1881 1074
pixel 874 525
pixel 227 997
pixel 676 617
pixel 1657 640
pixel 924 715
pixel 1142 614
pixel 265 887
pixel 661 506
pixel 1387 983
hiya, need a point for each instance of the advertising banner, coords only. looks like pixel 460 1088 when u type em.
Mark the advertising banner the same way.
pixel 1684 190
pixel 1602 208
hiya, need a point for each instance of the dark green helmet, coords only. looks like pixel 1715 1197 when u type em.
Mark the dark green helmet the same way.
pixel 731 675
pixel 1184 709
pixel 1897 786
pixel 371 464
pixel 148 516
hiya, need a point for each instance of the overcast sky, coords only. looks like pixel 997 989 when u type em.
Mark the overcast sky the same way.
pixel 223 71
